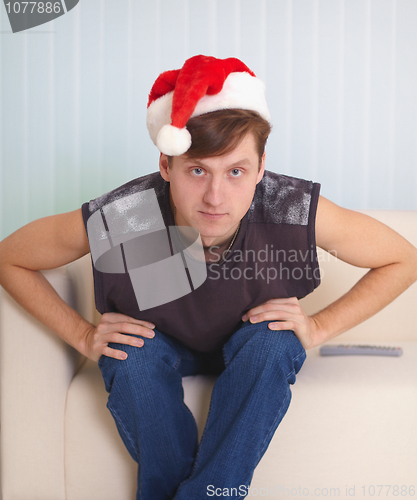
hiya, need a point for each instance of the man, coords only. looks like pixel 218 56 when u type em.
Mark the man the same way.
pixel 241 319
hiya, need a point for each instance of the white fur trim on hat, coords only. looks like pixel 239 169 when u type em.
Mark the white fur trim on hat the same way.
pixel 240 91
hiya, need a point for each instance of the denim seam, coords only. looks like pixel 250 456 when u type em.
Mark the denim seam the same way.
pixel 287 399
pixel 293 360
pixel 177 362
pixel 116 417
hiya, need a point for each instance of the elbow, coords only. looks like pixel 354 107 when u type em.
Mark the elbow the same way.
pixel 414 265
pixel 411 263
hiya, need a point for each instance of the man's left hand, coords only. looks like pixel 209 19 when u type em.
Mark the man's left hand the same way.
pixel 286 314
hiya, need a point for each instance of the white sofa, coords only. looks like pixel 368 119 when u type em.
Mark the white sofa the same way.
pixel 350 430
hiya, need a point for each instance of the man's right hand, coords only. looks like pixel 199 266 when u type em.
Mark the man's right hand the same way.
pixel 52 242
pixel 117 328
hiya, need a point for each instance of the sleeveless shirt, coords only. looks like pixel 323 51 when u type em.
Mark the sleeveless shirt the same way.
pixel 273 256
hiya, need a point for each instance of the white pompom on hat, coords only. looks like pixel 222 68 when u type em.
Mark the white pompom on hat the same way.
pixel 204 84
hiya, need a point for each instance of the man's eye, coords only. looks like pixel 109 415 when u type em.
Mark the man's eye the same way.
pixel 236 172
pixel 197 171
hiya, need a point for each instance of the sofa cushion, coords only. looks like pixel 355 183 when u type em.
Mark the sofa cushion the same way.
pixel 345 427
pixel 351 422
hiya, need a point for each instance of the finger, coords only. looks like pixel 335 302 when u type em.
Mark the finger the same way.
pixel 121 338
pixel 132 321
pixel 118 338
pixel 114 353
pixel 255 311
pixel 126 327
pixel 274 315
pixel 119 317
pixel 283 325
pixel 289 308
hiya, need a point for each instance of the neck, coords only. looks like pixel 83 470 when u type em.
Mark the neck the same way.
pixel 217 253
pixel 214 247
pixel 220 242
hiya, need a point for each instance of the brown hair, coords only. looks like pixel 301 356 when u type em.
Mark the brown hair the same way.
pixel 219 132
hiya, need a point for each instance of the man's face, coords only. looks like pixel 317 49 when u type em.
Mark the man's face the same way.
pixel 213 194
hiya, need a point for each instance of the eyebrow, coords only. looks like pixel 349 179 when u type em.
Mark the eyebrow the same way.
pixel 239 163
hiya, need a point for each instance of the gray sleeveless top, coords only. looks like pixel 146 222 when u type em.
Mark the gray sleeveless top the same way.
pixel 273 256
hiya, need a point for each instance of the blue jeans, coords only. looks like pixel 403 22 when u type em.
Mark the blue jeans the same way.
pixel 249 399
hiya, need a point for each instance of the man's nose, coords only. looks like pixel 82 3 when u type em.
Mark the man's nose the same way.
pixel 214 194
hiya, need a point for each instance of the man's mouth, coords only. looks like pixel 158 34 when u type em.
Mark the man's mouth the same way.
pixel 213 216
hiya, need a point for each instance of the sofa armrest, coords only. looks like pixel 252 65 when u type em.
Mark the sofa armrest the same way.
pixel 36 368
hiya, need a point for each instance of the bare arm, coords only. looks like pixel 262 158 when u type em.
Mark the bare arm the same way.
pixel 361 241
pixel 48 243
pixel 364 242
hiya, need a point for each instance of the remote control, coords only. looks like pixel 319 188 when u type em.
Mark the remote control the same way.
pixel 368 350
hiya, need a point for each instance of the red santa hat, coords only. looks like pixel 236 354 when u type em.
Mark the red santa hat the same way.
pixel 202 85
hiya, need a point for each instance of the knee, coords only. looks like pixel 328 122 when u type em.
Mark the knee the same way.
pixel 140 365
pixel 283 349
pixel 280 350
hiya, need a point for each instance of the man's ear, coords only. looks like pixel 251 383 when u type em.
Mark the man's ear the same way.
pixel 164 166
pixel 261 170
